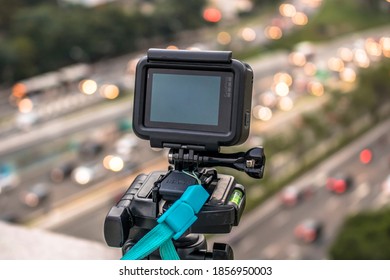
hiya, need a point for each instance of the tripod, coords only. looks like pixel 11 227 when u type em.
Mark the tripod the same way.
pixel 150 195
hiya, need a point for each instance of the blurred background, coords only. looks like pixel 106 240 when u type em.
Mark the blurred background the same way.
pixel 321 108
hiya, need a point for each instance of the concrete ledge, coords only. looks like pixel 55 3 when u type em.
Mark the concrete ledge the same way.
pixel 20 243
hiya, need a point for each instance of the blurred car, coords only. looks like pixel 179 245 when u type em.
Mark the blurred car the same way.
pixel 125 145
pixel 339 183
pixel 35 195
pixel 386 186
pixel 89 149
pixel 25 121
pixel 8 178
pixel 291 195
pixel 308 230
pixel 9 218
pixel 308 49
pixel 59 173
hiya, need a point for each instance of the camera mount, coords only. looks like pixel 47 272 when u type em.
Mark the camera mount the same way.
pixel 251 162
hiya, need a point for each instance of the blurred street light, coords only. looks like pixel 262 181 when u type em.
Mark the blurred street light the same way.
pixel 385 43
pixel 348 75
pixel 315 88
pixel 19 90
pixel 297 59
pixel 262 113
pixel 282 89
pixel 113 163
pixel 82 175
pixel 25 105
pixel 365 156
pixel 88 86
pixel 336 64
pixel 248 34
pixel 300 19
pixel 109 91
pixel 212 15
pixel 345 54
pixel 310 69
pixel 224 38
pixel 273 32
pixel 372 47
pixel 287 10
pixel 286 103
pixel 283 77
pixel 361 58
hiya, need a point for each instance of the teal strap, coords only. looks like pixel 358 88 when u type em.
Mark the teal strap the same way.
pixel 172 224
pixel 168 251
pixel 149 243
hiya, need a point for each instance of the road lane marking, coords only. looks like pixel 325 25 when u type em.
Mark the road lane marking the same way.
pixel 362 190
pixel 280 219
pixel 332 203
pixel 271 250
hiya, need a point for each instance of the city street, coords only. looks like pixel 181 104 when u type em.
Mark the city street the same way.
pixel 268 231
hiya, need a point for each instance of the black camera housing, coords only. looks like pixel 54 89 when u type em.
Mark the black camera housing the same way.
pixel 192 100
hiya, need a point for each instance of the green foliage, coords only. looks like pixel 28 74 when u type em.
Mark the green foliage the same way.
pixel 335 18
pixel 365 236
pixel 41 38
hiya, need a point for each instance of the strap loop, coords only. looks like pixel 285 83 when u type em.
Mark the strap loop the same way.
pixel 182 214
pixel 172 224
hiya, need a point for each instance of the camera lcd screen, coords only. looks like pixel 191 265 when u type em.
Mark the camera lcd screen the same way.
pixel 188 99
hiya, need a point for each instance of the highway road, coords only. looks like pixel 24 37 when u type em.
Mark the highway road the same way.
pixel 268 232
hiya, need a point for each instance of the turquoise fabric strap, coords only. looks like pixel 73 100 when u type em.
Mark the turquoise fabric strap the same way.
pixel 172 224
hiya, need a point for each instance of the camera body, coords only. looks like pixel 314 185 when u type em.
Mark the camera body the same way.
pixel 199 100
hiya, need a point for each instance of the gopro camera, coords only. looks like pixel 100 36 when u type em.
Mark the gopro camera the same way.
pixel 198 100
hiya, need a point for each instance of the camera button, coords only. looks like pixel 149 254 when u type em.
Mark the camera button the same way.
pixel 247 119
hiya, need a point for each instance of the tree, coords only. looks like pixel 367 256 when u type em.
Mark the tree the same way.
pixel 365 236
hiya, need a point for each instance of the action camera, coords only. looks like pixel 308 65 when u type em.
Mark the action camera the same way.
pixel 192 99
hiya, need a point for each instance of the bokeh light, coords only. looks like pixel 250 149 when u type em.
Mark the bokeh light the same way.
pixel 348 75
pixel 297 59
pixel 224 38
pixel 19 90
pixel 282 89
pixel 88 87
pixel 286 103
pixel 336 64
pixel 273 32
pixel 248 34
pixel 109 91
pixel 300 19
pixel 315 88
pixel 345 54
pixel 113 163
pixel 212 15
pixel 262 113
pixel 82 175
pixel 287 10
pixel 283 77
pixel 25 105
